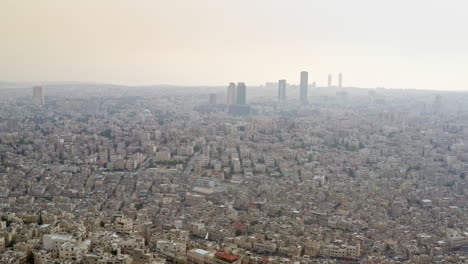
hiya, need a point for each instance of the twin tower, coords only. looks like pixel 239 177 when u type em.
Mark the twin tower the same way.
pixel 237 95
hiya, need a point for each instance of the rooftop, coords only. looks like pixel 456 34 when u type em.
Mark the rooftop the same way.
pixel 227 257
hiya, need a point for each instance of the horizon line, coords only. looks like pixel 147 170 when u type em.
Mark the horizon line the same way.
pixel 56 83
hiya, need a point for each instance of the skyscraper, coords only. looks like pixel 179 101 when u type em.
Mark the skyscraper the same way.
pixel 304 87
pixel 241 94
pixel 38 95
pixel 231 94
pixel 282 90
pixel 340 80
pixel 329 80
pixel 213 98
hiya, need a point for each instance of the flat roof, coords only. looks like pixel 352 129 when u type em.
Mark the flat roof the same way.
pixel 57 236
pixel 227 257
pixel 200 251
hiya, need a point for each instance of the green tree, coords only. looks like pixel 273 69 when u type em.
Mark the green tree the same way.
pixel 30 258
pixel 11 244
pixel 40 221
pixel 8 222
pixel 27 222
pixel 138 206
pixel 106 133
pixel 353 148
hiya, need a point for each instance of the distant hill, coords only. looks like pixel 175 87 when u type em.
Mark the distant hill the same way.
pixel 22 85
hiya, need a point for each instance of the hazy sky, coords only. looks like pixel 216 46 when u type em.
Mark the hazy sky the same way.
pixel 392 43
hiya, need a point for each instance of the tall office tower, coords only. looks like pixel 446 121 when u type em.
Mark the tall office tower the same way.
pixel 212 98
pixel 231 94
pixel 329 80
pixel 437 103
pixel 241 94
pixel 304 87
pixel 38 95
pixel 282 90
pixel 340 80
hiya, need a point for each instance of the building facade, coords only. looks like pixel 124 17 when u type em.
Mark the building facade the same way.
pixel 282 90
pixel 304 87
pixel 241 94
pixel 231 94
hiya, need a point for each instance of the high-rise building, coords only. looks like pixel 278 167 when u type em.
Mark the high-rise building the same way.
pixel 231 94
pixel 282 90
pixel 304 86
pixel 340 80
pixel 38 95
pixel 213 98
pixel 329 80
pixel 241 94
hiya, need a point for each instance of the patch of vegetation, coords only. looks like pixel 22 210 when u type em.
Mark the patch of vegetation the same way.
pixel 138 206
pixel 106 133
pixel 30 258
pixel 152 164
pixel 8 222
pixel 40 221
pixel 10 244
pixel 24 142
pixel 27 222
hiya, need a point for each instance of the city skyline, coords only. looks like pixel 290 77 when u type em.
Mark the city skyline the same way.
pixel 160 175
pixel 143 44
pixel 233 132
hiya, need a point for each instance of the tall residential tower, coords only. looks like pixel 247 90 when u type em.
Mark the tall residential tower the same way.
pixel 304 86
pixel 282 90
pixel 241 94
pixel 231 94
pixel 38 95
pixel 212 98
pixel 340 80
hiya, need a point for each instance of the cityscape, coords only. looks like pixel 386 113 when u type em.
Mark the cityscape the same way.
pixel 110 174
pixel 233 132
